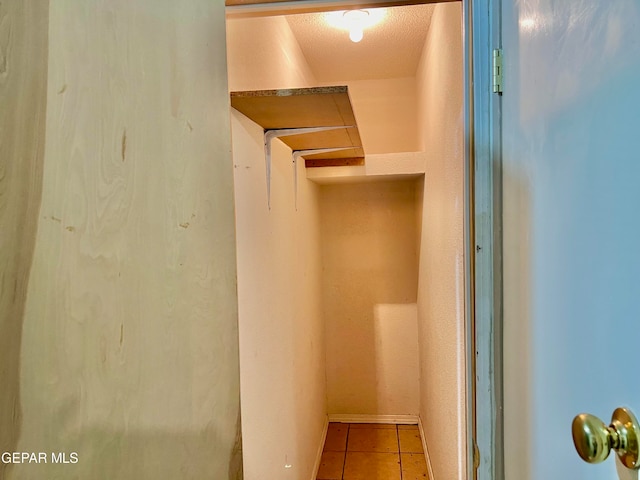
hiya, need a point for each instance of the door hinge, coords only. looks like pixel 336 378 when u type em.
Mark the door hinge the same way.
pixel 497 70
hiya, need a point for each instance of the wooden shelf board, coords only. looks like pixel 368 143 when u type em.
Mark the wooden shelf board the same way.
pixel 306 107
pixel 334 162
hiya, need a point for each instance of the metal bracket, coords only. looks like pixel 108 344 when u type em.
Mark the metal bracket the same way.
pixel 269 135
pixel 301 153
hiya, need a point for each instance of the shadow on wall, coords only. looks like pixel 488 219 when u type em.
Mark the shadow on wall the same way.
pixel 23 39
pixel 396 357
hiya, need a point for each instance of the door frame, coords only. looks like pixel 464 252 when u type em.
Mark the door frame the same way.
pixel 481 31
pixel 483 154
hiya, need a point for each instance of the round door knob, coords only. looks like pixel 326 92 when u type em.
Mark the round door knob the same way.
pixel 594 439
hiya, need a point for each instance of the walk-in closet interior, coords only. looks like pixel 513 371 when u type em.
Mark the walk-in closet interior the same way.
pixel 350 276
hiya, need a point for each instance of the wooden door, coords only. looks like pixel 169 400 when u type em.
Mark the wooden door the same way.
pixel 125 355
pixel 571 224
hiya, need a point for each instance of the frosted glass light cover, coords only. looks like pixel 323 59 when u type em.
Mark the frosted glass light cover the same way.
pixel 356 34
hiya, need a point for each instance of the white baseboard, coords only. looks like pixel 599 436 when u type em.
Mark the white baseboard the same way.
pixel 323 438
pixel 393 419
pixel 426 450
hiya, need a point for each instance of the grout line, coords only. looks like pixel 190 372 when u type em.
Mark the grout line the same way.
pixel 399 452
pixel 346 448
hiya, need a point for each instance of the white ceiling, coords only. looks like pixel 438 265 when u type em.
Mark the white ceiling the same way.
pixel 389 49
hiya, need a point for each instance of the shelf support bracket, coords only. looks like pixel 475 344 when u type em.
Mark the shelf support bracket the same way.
pixel 301 153
pixel 269 135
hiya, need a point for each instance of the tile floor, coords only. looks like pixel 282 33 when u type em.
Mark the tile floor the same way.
pixel 365 451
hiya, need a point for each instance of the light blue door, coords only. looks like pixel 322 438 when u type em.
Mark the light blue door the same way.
pixel 571 179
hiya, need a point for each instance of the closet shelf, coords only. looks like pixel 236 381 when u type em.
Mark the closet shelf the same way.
pixel 302 108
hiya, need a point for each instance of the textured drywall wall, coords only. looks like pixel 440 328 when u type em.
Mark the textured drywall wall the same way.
pixel 23 89
pixel 281 328
pixel 369 283
pixel 264 54
pixel 386 112
pixel 129 351
pixel 395 42
pixel 441 284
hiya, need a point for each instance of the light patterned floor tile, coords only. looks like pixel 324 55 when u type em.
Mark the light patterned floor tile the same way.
pixel 407 427
pixel 381 440
pixel 331 466
pixel 414 466
pixel 410 441
pixel 372 466
pixel 336 437
pixel 388 426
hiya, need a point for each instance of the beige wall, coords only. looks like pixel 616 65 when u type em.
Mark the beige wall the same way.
pixel 23 89
pixel 369 292
pixel 264 54
pixel 129 346
pixel 386 112
pixel 281 330
pixel 441 284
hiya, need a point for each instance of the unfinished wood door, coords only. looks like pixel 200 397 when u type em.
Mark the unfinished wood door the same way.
pixel 23 86
pixel 128 352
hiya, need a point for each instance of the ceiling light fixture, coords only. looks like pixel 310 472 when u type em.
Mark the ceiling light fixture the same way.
pixel 355 21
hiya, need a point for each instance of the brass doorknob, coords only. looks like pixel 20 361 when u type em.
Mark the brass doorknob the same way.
pixel 594 440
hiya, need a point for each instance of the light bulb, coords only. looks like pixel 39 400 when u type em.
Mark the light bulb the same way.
pixel 355 21
pixel 356 34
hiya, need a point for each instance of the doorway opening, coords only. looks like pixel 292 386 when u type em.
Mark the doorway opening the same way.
pixel 351 279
